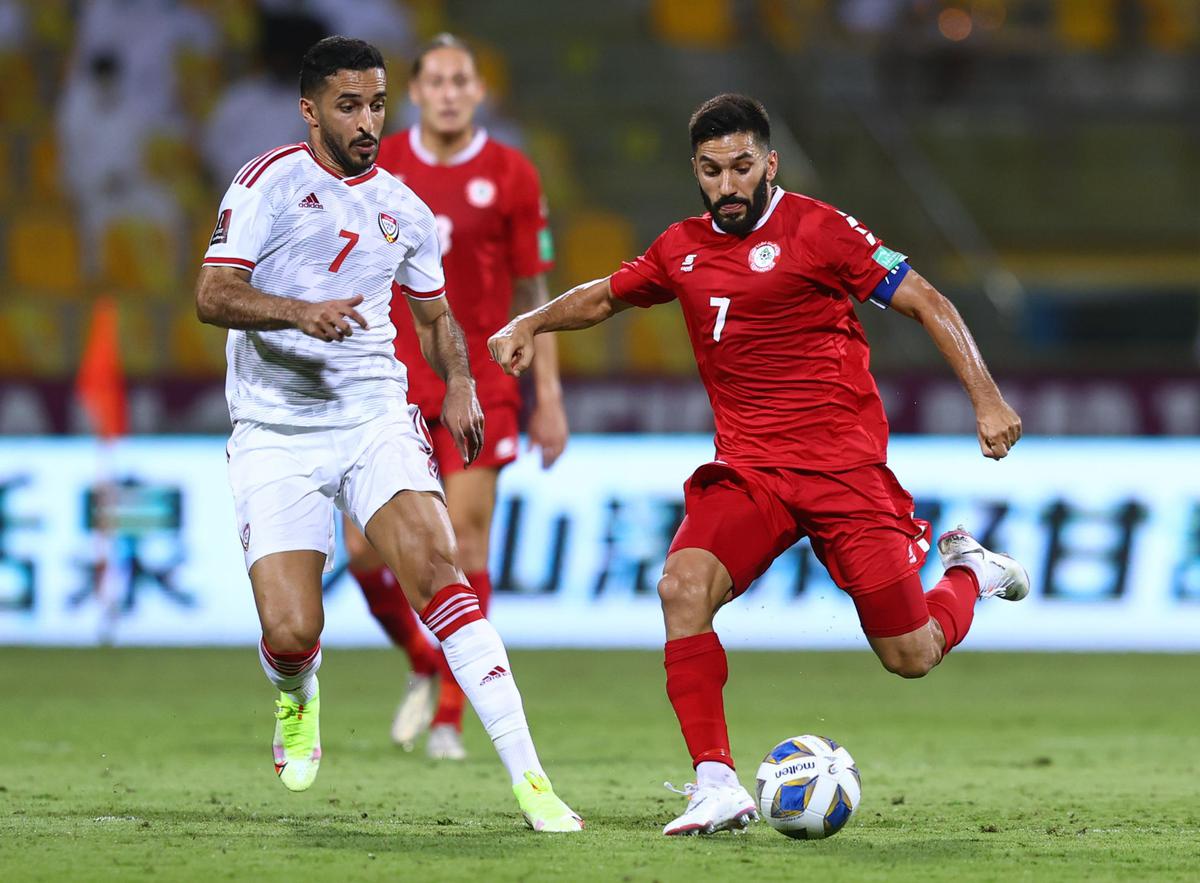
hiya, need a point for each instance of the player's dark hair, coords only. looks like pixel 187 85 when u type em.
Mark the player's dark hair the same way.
pixel 729 114
pixel 442 41
pixel 326 57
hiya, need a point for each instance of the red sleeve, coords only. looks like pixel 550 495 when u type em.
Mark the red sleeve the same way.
pixel 391 151
pixel 530 246
pixel 644 282
pixel 844 254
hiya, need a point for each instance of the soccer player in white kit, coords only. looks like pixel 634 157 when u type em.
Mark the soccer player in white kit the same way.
pixel 311 241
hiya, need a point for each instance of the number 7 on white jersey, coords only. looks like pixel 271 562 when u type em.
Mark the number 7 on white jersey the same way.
pixel 722 305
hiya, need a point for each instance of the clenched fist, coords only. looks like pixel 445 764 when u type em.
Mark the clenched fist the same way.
pixel 512 347
pixel 998 427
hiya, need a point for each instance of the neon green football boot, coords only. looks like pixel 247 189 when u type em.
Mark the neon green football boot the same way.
pixel 297 743
pixel 541 807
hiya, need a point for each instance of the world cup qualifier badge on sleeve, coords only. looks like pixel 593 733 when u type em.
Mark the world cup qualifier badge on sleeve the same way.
pixel 220 234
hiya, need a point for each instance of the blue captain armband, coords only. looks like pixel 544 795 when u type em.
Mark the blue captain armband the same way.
pixel 882 295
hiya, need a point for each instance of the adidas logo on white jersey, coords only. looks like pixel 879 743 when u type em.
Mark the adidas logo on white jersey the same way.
pixel 311 201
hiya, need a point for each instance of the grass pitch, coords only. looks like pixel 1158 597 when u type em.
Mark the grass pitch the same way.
pixel 156 765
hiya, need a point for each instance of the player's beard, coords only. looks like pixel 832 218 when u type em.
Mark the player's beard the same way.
pixel 351 164
pixel 754 209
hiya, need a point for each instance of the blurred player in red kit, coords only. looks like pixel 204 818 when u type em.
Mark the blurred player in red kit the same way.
pixel 496 248
pixel 767 282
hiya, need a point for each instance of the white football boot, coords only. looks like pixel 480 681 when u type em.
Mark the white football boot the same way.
pixel 999 576
pixel 713 808
pixel 445 743
pixel 415 712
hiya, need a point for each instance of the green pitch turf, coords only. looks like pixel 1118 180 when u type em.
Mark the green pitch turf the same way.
pixel 156 765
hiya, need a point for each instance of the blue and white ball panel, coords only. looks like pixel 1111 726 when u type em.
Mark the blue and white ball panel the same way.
pixel 808 787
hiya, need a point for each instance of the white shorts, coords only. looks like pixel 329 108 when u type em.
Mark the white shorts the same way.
pixel 286 479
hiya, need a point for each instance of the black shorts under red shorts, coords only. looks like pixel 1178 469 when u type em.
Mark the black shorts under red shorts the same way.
pixel 501 440
pixel 860 523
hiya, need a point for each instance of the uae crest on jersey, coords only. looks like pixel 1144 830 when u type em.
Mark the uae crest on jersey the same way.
pixel 389 227
pixel 764 256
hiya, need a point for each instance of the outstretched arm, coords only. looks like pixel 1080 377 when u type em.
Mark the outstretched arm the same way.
pixel 581 307
pixel 225 297
pixel 996 424
pixel 445 349
pixel 548 422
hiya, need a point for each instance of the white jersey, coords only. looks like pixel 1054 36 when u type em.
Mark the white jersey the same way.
pixel 305 232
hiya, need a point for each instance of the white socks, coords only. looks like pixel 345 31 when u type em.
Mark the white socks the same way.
pixel 292 673
pixel 710 772
pixel 480 664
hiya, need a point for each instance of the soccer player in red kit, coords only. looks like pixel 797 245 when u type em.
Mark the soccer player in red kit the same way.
pixel 496 249
pixel 767 282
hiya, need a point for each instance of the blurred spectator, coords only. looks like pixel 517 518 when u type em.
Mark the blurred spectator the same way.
pixel 103 129
pixel 382 22
pixel 145 37
pixel 12 24
pixel 870 17
pixel 262 110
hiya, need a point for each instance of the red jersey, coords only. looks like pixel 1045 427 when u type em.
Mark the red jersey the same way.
pixel 492 225
pixel 771 318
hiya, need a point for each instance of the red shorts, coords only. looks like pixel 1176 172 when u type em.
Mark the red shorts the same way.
pixel 860 523
pixel 500 441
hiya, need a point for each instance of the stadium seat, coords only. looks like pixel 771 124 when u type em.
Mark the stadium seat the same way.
pixel 196 350
pixel 696 24
pixel 594 244
pixel 1172 25
pixel 44 171
pixel 494 68
pixel 138 255
pixel 200 82
pixel 19 97
pixel 43 253
pixel 658 343
pixel 138 323
pixel 36 340
pixel 53 22
pixel 1086 25
pixel 6 168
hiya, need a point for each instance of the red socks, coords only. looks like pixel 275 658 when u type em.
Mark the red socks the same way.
pixel 696 673
pixel 952 603
pixel 482 584
pixel 392 610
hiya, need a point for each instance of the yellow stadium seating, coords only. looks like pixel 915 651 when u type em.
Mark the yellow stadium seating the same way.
pixel 35 337
pixel 196 350
pixel 1087 25
pixel 138 256
pixel 658 342
pixel 43 170
pixel 6 150
pixel 699 24
pixel 594 244
pixel 19 97
pixel 43 253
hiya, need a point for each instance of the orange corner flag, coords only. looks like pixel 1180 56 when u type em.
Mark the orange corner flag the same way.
pixel 100 383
